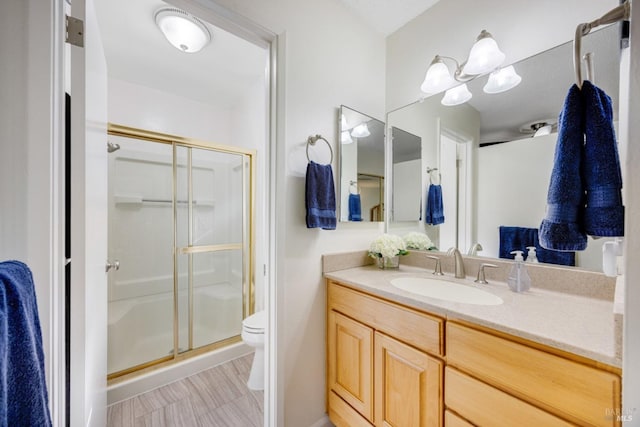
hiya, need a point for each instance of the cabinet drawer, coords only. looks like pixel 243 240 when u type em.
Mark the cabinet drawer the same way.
pixel 577 392
pixel 484 405
pixel 343 415
pixel 410 326
pixel 452 420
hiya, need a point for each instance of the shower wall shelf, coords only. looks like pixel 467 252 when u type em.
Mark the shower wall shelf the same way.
pixel 138 200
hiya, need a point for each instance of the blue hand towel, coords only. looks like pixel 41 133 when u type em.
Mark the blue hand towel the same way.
pixel 518 238
pixel 355 208
pixel 604 214
pixel 320 197
pixel 434 214
pixel 562 230
pixel 23 390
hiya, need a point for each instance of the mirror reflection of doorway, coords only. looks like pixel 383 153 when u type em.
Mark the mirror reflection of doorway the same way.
pixel 455 164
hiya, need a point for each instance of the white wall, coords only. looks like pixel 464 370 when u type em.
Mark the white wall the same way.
pixel 30 139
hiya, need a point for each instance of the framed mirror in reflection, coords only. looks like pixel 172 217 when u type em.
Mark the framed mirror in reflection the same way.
pixel 496 152
pixel 362 180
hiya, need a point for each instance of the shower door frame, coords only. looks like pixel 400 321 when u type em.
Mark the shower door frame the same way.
pixel 248 244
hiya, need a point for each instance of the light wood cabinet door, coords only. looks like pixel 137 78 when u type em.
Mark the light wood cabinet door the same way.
pixel 408 385
pixel 350 373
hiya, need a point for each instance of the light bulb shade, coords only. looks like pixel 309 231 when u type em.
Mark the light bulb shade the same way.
pixel 360 131
pixel 185 32
pixel 484 56
pixel 456 96
pixel 343 123
pixel 345 138
pixel 543 130
pixel 438 77
pixel 502 80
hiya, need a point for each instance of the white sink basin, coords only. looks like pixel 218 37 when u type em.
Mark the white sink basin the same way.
pixel 447 291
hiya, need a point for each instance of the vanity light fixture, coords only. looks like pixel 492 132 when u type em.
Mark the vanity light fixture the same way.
pixel 360 131
pixel 184 31
pixel 502 80
pixel 456 96
pixel 485 56
pixel 345 138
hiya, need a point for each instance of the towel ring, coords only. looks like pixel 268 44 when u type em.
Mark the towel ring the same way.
pixel 312 141
pixel 429 171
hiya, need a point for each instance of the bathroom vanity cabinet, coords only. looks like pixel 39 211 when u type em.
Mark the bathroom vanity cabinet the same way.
pixel 387 365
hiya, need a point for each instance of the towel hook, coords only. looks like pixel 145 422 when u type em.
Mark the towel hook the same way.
pixel 312 141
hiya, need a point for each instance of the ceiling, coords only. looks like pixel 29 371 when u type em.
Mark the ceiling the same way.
pixel 137 52
pixel 386 16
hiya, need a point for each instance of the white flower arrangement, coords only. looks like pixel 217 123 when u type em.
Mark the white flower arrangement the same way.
pixel 420 241
pixel 387 246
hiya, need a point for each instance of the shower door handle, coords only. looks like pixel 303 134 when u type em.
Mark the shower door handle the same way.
pixel 109 265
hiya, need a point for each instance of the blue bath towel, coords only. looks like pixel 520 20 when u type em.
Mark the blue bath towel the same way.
pixel 355 208
pixel 518 238
pixel 23 390
pixel 604 213
pixel 320 197
pixel 562 229
pixel 434 214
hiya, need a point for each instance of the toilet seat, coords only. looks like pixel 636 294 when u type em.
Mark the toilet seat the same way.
pixel 255 323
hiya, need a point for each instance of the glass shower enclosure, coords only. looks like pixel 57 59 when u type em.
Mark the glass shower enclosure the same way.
pixel 181 229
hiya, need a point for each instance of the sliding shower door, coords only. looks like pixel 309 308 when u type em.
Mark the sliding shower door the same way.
pixel 212 231
pixel 180 225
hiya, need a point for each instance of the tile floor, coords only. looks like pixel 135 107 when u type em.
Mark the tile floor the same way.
pixel 217 397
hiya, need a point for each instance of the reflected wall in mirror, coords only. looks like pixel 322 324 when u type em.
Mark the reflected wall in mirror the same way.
pixel 361 166
pixel 507 168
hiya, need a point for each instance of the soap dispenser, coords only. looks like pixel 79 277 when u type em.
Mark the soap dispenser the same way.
pixel 531 255
pixel 519 280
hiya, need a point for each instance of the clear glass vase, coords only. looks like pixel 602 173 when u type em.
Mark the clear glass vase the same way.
pixel 388 262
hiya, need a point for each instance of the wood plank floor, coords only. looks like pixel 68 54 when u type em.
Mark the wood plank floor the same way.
pixel 217 397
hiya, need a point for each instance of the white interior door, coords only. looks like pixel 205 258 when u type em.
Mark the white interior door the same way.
pixel 88 74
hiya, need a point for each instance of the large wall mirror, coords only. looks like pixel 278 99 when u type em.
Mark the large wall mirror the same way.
pixel 362 182
pixel 491 161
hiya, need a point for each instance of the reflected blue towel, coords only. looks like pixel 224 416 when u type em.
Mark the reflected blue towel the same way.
pixel 434 214
pixel 604 213
pixel 562 229
pixel 355 208
pixel 518 238
pixel 23 390
pixel 320 197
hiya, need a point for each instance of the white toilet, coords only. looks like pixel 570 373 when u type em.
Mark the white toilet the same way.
pixel 253 335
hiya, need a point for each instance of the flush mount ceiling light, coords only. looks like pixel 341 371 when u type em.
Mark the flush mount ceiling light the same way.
pixel 184 31
pixel 485 56
pixel 539 127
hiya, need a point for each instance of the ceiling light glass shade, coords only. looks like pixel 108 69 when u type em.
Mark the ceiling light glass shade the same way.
pixel 345 138
pixel 185 32
pixel 484 56
pixel 438 77
pixel 360 131
pixel 543 130
pixel 456 96
pixel 343 123
pixel 502 80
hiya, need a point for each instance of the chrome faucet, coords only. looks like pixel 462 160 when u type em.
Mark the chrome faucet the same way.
pixel 473 251
pixel 458 262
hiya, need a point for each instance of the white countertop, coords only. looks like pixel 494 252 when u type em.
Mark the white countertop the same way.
pixel 577 324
